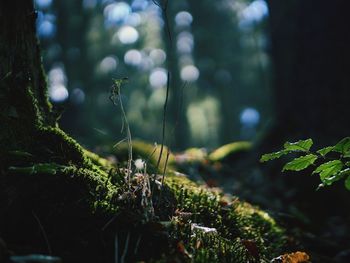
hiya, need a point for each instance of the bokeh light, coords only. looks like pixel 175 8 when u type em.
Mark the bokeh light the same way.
pixel 139 5
pixel 249 117
pixel 57 84
pixel 158 56
pixel 108 64
pixel 77 96
pixel 183 18
pixel 43 3
pixel 116 12
pixel 253 13
pixel 134 19
pixel 185 42
pixel 189 73
pixel 158 78
pixel 127 35
pixel 133 57
pixel 58 93
pixel 46 27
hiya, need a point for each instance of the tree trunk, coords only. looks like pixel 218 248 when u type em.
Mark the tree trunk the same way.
pixel 23 95
pixel 43 172
pixel 311 64
pixel 176 117
pixel 310 52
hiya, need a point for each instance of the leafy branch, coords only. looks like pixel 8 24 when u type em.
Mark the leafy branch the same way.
pixel 333 162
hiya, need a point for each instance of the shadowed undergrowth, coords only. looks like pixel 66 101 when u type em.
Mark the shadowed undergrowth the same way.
pixel 71 203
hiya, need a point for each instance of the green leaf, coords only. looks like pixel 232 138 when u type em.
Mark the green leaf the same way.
pixel 329 169
pixel 272 156
pixel 300 163
pixel 347 164
pixel 299 146
pixel 325 150
pixel 344 172
pixel 347 154
pixel 343 146
pixel 347 183
pixel 330 180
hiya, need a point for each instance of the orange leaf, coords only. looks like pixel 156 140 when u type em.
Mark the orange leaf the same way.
pixel 296 257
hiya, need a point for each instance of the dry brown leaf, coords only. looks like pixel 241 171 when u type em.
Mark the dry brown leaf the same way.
pixel 296 257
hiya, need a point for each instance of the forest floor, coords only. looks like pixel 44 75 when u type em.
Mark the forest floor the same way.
pixel 156 213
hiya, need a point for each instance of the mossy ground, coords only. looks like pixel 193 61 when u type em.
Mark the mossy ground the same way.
pixel 59 198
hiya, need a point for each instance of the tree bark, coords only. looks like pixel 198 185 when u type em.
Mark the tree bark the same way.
pixel 23 95
pixel 311 65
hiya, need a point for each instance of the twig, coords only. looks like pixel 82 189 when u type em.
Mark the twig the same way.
pixel 116 250
pixel 152 153
pixel 116 94
pixel 122 259
pixel 163 176
pixel 164 119
pixel 121 141
pixel 137 244
pixel 43 232
pixel 110 221
pixel 164 9
pixel 165 166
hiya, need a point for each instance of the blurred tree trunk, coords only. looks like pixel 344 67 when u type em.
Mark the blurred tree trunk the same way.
pixel 311 55
pixel 71 36
pixel 217 55
pixel 176 115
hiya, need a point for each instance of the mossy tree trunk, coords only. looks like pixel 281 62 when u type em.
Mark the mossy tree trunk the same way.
pixel 46 178
pixel 23 94
pixel 28 121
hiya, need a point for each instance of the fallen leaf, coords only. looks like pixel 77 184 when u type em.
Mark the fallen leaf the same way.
pixel 296 257
pixel 251 247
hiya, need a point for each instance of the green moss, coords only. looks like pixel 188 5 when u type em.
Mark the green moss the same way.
pixel 229 149
pixel 100 192
pixel 196 155
pixel 60 147
pixel 97 160
pixel 239 225
pixel 244 233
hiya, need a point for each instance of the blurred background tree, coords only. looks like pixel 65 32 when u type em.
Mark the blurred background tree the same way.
pixel 216 53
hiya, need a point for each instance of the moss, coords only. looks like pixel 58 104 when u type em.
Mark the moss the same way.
pixel 229 149
pixel 244 231
pixel 97 160
pixel 102 193
pixel 99 191
pixel 60 147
